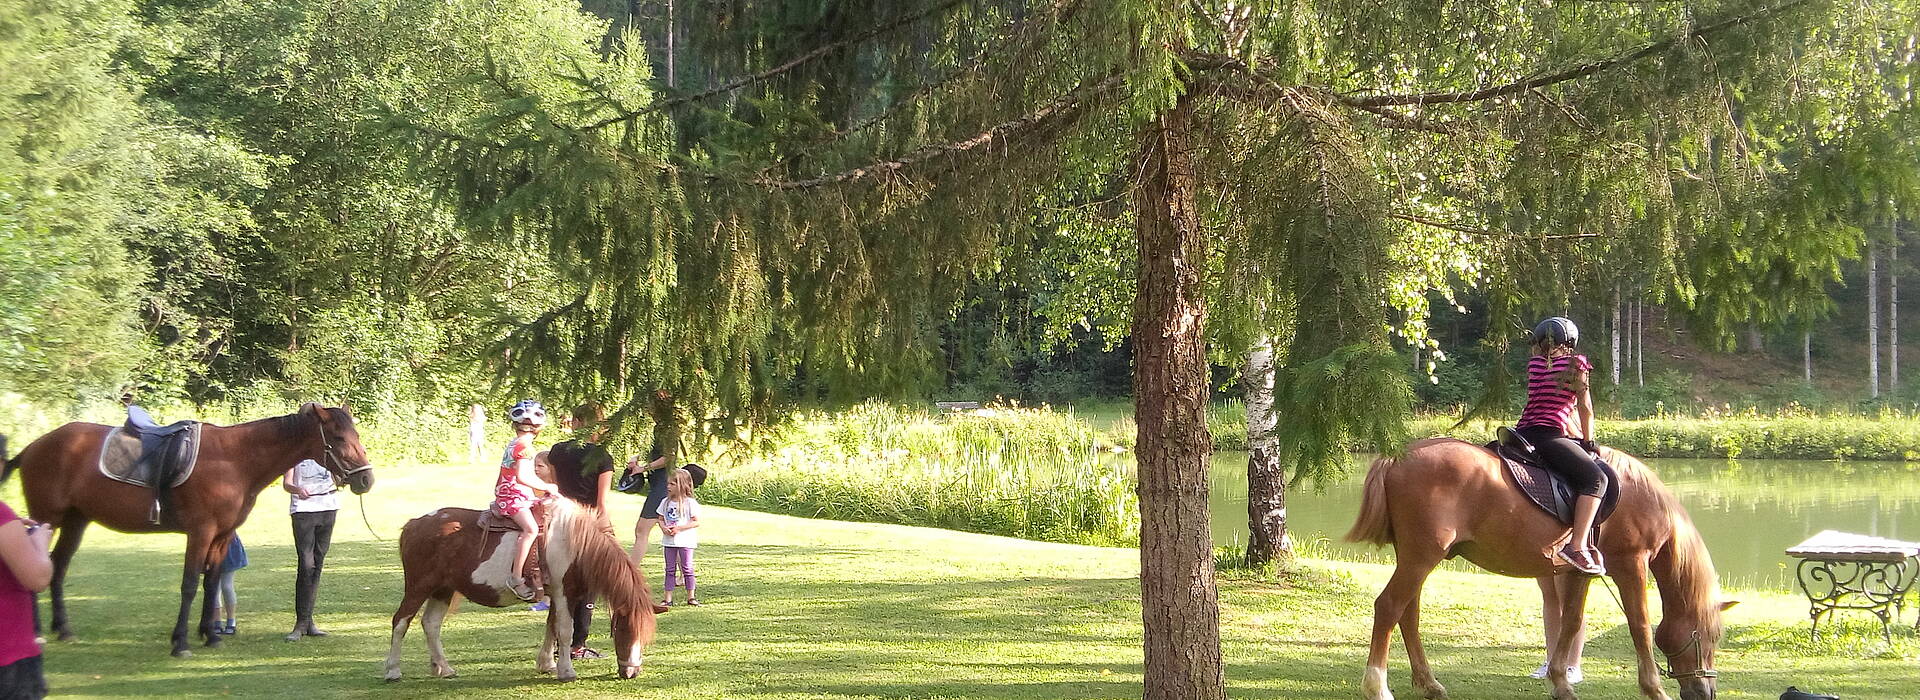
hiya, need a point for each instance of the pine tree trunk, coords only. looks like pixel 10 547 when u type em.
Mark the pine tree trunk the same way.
pixel 1873 321
pixel 1756 343
pixel 1178 599
pixel 1266 481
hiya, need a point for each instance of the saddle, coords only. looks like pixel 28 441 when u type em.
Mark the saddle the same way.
pixel 494 526
pixel 1545 488
pixel 149 455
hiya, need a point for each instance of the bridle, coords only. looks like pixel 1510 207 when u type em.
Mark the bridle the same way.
pixel 1699 655
pixel 330 454
pixel 1693 642
pixel 336 464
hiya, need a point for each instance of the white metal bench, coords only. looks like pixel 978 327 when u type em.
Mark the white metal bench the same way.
pixel 1847 571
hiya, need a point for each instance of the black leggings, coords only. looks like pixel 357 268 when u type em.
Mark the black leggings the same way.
pixel 1566 458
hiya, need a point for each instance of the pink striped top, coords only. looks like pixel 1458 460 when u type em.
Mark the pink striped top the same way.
pixel 1549 400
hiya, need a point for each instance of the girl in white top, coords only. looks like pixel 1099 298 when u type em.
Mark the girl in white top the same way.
pixel 313 503
pixel 679 516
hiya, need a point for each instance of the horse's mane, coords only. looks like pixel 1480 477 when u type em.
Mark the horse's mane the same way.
pixel 603 564
pixel 1692 566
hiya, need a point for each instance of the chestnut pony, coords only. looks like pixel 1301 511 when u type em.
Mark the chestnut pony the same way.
pixel 64 486
pixel 444 553
pixel 1448 498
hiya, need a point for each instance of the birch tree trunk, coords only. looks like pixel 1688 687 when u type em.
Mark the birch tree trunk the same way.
pixel 1266 481
pixel 1614 366
pixel 1806 356
pixel 1873 321
pixel 1179 602
pixel 1640 342
pixel 1893 307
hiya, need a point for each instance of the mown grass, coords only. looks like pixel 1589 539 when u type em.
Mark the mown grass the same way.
pixel 814 609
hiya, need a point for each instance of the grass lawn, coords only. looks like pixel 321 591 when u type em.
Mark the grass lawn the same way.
pixel 820 609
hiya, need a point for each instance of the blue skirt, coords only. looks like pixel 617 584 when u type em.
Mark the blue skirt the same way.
pixel 236 556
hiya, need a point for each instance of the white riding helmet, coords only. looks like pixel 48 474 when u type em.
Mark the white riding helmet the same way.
pixel 528 412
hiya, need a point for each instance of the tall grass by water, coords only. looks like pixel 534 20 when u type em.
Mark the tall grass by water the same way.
pixel 1023 472
pixel 1749 434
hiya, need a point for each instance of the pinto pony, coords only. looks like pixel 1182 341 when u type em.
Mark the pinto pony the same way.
pixel 445 553
pixel 64 486
pixel 1448 498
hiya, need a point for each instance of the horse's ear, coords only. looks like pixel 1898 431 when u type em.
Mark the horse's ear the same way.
pixel 343 405
pixel 1728 604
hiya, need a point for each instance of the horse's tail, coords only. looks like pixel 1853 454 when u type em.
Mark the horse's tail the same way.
pixel 1372 525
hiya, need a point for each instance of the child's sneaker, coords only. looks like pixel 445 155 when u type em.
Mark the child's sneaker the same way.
pixel 541 606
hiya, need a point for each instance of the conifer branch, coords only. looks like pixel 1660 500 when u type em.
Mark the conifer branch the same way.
pixel 1000 132
pixel 1580 71
pixel 1471 230
pixel 791 64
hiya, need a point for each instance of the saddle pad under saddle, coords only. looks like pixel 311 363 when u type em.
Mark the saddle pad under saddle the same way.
pixel 124 459
pixel 1551 493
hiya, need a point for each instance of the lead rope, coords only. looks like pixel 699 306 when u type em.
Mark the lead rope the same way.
pixel 367 522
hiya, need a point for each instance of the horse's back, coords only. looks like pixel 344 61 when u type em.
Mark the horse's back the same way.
pixel 52 466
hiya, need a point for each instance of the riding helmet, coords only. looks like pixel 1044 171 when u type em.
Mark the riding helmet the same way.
pixel 528 412
pixel 1558 330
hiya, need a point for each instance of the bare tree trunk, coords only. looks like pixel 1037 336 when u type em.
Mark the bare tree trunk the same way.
pixel 1893 307
pixel 1756 343
pixel 1873 321
pixel 1640 342
pixel 1179 602
pixel 670 32
pixel 1806 356
pixel 1266 480
pixel 1614 366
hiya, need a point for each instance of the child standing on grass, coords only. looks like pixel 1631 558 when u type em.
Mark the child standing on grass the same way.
pixel 513 490
pixel 235 561
pixel 679 516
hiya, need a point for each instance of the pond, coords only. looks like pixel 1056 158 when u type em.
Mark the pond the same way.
pixel 1748 511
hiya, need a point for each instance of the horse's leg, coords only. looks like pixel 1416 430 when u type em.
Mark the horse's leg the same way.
pixel 559 629
pixel 1416 560
pixel 402 619
pixel 1573 617
pixel 1417 654
pixel 1631 577
pixel 71 529
pixel 430 619
pixel 209 589
pixel 191 572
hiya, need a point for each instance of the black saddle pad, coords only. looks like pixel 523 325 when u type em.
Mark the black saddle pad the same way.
pixel 148 455
pixel 1548 491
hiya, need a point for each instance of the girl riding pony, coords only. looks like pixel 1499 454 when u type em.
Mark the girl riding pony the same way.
pixel 1557 420
pixel 513 492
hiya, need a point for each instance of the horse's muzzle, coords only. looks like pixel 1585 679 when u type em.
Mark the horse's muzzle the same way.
pixel 629 671
pixel 361 481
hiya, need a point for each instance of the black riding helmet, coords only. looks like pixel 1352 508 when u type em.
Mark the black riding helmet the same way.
pixel 1558 330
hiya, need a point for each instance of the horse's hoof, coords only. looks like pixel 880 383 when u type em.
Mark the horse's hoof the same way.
pixel 182 654
pixel 444 672
pixel 1434 692
pixel 214 642
pixel 67 636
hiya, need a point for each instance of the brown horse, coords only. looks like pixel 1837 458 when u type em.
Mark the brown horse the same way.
pixel 1448 498
pixel 444 553
pixel 64 487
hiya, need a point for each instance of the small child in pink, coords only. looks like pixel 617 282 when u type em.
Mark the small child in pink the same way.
pixel 513 491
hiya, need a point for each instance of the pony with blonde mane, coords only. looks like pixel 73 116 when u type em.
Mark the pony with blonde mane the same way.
pixel 1448 498
pixel 444 553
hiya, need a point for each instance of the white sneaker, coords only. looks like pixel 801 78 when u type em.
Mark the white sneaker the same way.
pixel 1573 674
